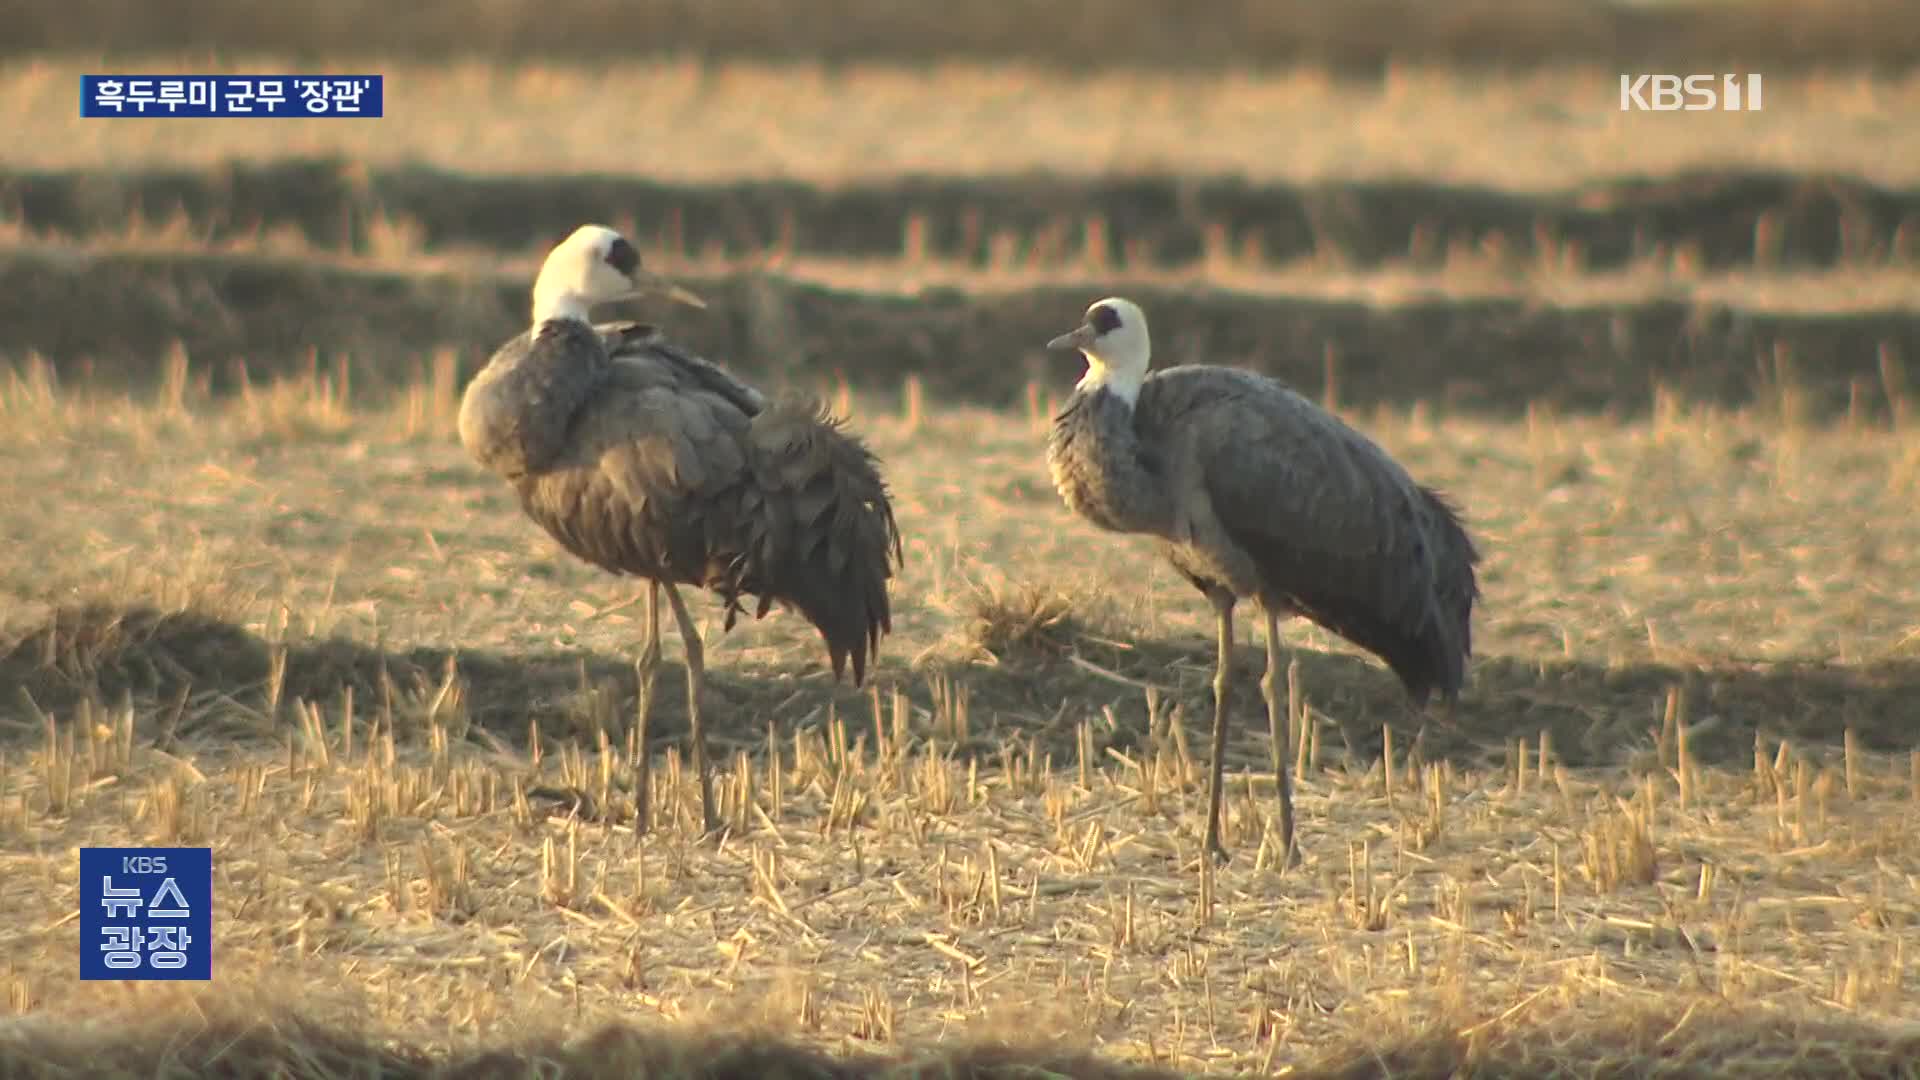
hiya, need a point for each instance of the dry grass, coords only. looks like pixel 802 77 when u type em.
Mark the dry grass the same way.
pixel 688 121
pixel 303 629
pixel 1467 277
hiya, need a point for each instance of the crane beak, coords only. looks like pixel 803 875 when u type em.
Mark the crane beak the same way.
pixel 648 283
pixel 1079 338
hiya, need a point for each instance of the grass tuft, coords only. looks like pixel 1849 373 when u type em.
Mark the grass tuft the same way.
pixel 1010 618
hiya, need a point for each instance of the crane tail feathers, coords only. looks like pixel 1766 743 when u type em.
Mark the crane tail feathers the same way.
pixel 835 541
pixel 1449 634
pixel 1425 639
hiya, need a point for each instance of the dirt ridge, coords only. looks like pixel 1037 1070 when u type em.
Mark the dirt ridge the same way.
pixel 205 1032
pixel 1721 218
pixel 110 319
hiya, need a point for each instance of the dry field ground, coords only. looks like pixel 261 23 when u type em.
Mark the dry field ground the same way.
pixel 1363 35
pixel 253 594
pixel 686 121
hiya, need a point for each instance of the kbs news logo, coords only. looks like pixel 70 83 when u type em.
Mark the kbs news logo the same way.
pixel 1690 93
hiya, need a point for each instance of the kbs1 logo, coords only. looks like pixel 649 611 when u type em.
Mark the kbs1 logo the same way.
pixel 1689 93
pixel 146 913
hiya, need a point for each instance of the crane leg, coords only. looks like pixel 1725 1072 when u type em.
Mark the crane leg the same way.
pixel 650 650
pixel 696 676
pixel 644 670
pixel 1222 684
pixel 1418 751
pixel 1282 739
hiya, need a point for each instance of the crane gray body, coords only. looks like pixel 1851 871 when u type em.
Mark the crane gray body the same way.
pixel 1253 492
pixel 1252 489
pixel 644 459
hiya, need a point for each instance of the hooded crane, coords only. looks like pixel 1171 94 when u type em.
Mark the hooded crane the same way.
pixel 1255 493
pixel 643 459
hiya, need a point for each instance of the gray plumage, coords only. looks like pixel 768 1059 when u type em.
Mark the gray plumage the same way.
pixel 644 459
pixel 1248 485
pixel 1253 492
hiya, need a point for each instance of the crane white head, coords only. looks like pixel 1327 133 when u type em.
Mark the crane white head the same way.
pixel 1113 338
pixel 593 266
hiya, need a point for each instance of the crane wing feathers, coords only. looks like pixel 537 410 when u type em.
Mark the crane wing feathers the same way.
pixel 1256 492
pixel 644 456
pixel 1329 518
pixel 645 342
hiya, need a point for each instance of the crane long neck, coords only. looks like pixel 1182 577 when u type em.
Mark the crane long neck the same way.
pixel 552 303
pixel 1122 380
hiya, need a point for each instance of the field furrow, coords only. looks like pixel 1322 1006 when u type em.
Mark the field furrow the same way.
pixel 1813 346
pixel 1711 219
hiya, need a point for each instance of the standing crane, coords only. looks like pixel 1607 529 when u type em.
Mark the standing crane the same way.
pixel 643 459
pixel 1253 492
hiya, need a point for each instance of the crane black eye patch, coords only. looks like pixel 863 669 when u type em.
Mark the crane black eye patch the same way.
pixel 622 256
